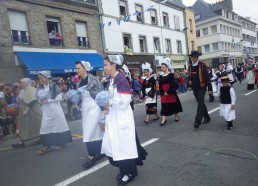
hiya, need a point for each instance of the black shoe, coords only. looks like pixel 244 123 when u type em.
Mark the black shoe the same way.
pixel 88 164
pixel 206 120
pixel 156 119
pixel 164 123
pixel 98 157
pixel 18 145
pixel 229 128
pixel 196 125
pixel 121 182
pixel 119 177
pixel 146 122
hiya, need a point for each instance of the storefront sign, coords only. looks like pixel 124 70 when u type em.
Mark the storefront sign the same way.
pixel 129 51
pixel 133 63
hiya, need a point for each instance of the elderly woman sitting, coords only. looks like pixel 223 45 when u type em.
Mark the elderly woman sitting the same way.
pixel 30 113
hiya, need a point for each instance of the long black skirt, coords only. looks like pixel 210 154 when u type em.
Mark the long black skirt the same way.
pixel 129 166
pixel 250 86
pixel 53 139
pixel 168 109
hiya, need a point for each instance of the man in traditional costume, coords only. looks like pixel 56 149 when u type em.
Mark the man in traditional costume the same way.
pixel 199 78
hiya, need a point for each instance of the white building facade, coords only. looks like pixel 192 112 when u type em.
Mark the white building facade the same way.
pixel 153 31
pixel 219 40
pixel 249 38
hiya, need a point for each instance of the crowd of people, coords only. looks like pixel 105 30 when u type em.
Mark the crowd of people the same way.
pixel 33 110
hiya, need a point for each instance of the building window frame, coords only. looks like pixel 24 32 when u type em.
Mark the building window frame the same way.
pixel 153 14
pixel 123 13
pixel 205 31
pixel 139 18
pixel 144 47
pixel 54 24
pixel 207 48
pixel 156 44
pixel 82 34
pixel 179 46
pixel 177 22
pixel 165 19
pixel 168 46
pixel 129 40
pixel 19 32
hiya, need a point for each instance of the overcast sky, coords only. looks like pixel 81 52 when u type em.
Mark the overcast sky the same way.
pixel 245 8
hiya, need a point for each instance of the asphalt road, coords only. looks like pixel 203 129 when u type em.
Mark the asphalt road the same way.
pixel 180 156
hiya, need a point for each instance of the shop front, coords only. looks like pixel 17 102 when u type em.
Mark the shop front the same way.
pixel 134 63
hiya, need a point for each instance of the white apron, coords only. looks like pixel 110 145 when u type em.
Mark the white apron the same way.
pixel 90 119
pixel 250 77
pixel 53 118
pixel 119 139
pixel 227 113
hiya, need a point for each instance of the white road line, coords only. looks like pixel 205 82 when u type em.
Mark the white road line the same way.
pixel 250 92
pixel 95 168
pixel 213 110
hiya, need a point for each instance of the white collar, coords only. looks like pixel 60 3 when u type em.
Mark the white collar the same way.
pixel 195 64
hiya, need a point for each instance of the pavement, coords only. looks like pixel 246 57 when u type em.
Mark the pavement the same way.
pixel 179 155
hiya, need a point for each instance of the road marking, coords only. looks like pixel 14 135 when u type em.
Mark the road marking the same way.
pixel 213 110
pixel 250 92
pixel 6 148
pixel 95 168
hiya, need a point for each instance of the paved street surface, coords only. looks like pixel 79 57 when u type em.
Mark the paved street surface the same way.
pixel 181 156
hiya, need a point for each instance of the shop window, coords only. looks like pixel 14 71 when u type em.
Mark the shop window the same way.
pixel 54 32
pixel 19 28
pixel 82 38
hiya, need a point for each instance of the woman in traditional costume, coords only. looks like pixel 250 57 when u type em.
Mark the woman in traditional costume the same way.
pixel 170 103
pixel 54 129
pixel 250 75
pixel 30 113
pixel 90 86
pixel 149 93
pixel 120 141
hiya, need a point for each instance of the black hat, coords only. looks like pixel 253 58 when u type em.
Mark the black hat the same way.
pixel 195 53
pixel 224 78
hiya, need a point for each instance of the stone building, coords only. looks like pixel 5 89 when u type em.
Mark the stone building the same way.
pixel 27 45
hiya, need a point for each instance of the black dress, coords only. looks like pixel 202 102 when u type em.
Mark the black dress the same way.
pixel 169 104
pixel 149 92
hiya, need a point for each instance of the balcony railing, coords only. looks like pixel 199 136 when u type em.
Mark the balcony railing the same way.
pixel 56 42
pixel 21 39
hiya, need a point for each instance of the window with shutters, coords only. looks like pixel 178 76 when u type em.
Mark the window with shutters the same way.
pixel 54 31
pixel 19 28
pixel 82 38
pixel 154 19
